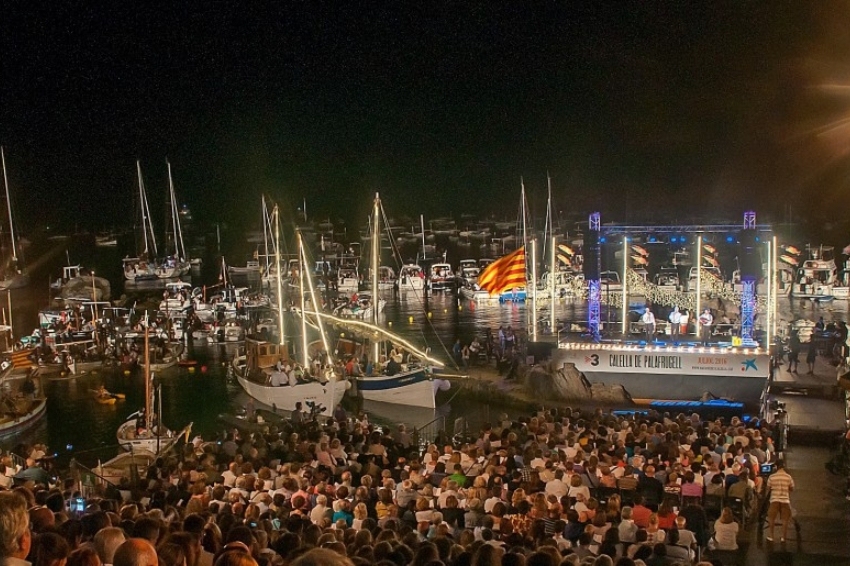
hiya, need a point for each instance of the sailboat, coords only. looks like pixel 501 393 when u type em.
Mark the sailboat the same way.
pixel 145 431
pixel 177 264
pixel 143 267
pixel 262 371
pixel 12 276
pixel 413 384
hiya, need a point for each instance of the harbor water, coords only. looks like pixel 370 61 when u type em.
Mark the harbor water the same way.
pixel 76 425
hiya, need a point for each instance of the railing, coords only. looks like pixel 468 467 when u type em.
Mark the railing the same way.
pixel 424 435
pixel 83 476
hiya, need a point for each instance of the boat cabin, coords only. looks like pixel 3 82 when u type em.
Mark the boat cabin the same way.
pixel 262 355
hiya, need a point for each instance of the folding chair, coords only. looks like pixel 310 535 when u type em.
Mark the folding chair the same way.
pixel 627 496
pixel 713 505
pixel 603 494
pixel 739 510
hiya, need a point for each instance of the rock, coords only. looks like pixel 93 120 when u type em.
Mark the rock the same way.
pixel 563 382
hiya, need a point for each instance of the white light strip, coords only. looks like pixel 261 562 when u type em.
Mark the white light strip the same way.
pixel 716 349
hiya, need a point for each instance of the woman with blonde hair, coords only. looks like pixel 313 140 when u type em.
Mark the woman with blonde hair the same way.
pixel 725 531
pixel 517 496
pixel 539 508
pixel 360 514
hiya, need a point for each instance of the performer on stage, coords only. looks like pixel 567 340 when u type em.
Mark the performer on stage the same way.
pixel 648 320
pixel 705 322
pixel 675 319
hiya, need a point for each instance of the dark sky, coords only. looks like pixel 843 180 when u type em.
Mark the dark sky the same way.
pixel 644 110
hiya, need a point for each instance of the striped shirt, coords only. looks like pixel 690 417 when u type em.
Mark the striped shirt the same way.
pixel 780 485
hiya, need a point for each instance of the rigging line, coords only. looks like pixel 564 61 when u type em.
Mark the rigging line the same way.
pixel 419 296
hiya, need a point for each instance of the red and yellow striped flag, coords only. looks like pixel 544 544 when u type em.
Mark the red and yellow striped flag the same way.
pixel 505 273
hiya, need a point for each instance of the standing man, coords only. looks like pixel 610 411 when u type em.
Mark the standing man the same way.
pixel 15 535
pixel 705 322
pixel 648 320
pixel 675 319
pixel 780 485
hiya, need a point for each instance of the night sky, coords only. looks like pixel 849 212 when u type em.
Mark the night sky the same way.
pixel 646 111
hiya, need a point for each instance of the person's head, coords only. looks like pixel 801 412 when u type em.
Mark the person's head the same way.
pixel 320 557
pixel 726 516
pixel 171 554
pixel 15 536
pixel 84 556
pixel 106 542
pixel 147 528
pixel 236 558
pixel 135 552
pixel 49 549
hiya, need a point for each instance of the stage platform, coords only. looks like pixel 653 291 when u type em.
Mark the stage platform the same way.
pixel 662 370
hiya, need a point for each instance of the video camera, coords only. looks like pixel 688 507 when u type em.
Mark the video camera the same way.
pixel 315 408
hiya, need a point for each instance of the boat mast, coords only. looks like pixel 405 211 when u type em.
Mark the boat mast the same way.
pixel 148 408
pixel 281 328
pixel 266 229
pixel 9 206
pixel 376 239
pixel 142 206
pixel 174 224
pixel 422 227
pixel 316 305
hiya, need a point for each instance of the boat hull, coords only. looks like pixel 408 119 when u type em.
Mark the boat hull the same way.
pixel 15 425
pixel 16 282
pixel 414 388
pixel 285 396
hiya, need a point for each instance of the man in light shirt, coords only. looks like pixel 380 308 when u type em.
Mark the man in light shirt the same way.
pixel 780 485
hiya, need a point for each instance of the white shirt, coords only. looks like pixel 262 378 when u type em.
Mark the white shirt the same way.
pixel 648 317
pixel 675 317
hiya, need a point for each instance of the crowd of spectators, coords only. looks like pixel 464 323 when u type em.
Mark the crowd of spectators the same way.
pixel 559 487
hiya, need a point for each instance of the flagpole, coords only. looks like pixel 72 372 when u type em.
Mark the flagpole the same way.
pixel 625 284
pixel 552 288
pixel 534 289
pixel 699 284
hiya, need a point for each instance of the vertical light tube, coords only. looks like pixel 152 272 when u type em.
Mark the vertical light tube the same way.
pixel 376 260
pixel 775 289
pixel 281 329
pixel 625 283
pixel 534 289
pixel 699 285
pixel 769 302
pixel 552 288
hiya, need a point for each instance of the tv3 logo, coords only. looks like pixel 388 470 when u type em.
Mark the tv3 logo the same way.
pixel 592 359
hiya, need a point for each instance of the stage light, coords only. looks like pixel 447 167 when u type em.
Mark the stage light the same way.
pixel 730 239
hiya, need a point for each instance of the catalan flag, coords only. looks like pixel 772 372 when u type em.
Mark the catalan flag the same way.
pixel 505 273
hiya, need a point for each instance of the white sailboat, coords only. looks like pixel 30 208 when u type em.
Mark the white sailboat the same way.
pixel 143 267
pixel 12 275
pixel 146 431
pixel 261 371
pixel 413 384
pixel 177 264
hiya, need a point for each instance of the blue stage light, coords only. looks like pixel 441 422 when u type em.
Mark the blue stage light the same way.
pixel 602 240
pixel 730 239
